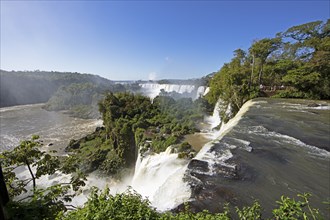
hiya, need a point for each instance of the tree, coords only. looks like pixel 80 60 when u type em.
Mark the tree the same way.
pixel 50 199
pixel 262 49
pixel 310 44
pixel 27 154
pixel 128 205
pixel 232 85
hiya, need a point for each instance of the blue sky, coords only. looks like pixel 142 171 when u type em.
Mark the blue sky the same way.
pixel 141 39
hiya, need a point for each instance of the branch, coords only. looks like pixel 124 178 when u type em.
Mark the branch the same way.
pixel 26 181
pixel 25 198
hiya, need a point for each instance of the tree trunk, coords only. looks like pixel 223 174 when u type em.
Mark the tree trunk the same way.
pixel 251 76
pixel 260 73
pixel 32 175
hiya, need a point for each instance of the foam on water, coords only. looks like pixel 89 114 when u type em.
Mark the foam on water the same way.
pixel 200 91
pixel 173 192
pixel 220 157
pixel 302 107
pixel 159 177
pixel 153 89
pixel 18 107
pixel 262 131
pixel 93 180
pixel 207 90
pixel 215 119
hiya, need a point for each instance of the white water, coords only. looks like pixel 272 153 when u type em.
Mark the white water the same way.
pixel 201 91
pixel 212 157
pixel 159 177
pixel 288 140
pixel 207 90
pixel 93 180
pixel 215 119
pixel 153 89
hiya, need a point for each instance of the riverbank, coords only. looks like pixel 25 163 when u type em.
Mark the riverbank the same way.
pixel 55 129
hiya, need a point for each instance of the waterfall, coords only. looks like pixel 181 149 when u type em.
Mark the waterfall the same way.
pixel 201 91
pixel 215 119
pixel 219 157
pixel 153 89
pixel 206 91
pixel 159 177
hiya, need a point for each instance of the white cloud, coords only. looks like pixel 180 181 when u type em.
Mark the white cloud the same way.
pixel 152 76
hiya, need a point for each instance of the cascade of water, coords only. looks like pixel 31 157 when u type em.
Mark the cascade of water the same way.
pixel 206 153
pixel 215 119
pixel 160 178
pixel 206 91
pixel 153 89
pixel 200 91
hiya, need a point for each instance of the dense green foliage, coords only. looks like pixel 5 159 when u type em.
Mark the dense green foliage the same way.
pixel 132 122
pixel 80 99
pixel 51 202
pixel 130 205
pixel 121 206
pixel 35 201
pixel 295 63
pixel 29 87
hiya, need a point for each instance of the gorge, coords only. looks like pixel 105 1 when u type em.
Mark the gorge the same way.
pixel 238 165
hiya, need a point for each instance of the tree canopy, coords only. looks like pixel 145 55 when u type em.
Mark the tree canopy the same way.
pixel 295 63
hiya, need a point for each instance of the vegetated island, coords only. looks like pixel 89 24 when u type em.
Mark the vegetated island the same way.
pixel 293 64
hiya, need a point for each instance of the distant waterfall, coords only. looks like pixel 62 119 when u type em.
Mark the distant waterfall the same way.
pixel 201 91
pixel 153 89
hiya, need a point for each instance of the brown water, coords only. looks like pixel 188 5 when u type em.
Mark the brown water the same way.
pixel 197 140
pixel 18 123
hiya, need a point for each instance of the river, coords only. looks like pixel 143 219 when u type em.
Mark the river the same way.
pixel 55 129
pixel 277 147
pixel 272 147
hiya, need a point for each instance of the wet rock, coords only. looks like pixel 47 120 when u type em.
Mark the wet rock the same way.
pixel 198 166
pixel 212 198
pixel 226 171
pixel 313 105
pixel 98 129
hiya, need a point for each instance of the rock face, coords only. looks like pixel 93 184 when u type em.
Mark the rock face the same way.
pixel 198 166
pixel 203 178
